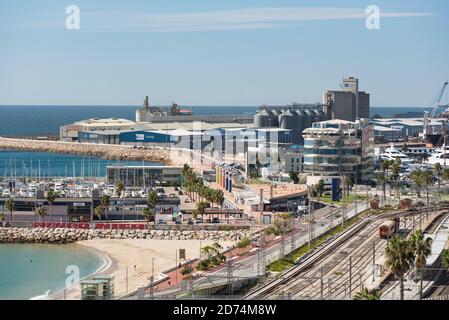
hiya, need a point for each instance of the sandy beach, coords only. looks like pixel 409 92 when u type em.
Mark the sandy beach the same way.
pixel 137 255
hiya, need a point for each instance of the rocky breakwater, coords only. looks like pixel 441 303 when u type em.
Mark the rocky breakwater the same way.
pixel 111 152
pixel 65 235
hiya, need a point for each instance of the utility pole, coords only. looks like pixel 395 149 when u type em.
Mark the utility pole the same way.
pixel 350 275
pixel 311 217
pixel 322 284
pixel 126 279
pixel 374 260
pixel 343 207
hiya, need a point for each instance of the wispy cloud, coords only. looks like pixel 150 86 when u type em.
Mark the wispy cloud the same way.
pixel 253 18
pixel 240 19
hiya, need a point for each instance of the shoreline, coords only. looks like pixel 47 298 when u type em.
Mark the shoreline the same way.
pixel 106 264
pixel 137 255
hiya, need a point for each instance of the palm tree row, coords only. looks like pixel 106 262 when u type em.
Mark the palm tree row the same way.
pixel 402 255
pixel 390 173
pixel 197 190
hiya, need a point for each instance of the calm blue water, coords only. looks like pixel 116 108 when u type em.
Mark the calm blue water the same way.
pixel 45 120
pixel 18 163
pixel 22 279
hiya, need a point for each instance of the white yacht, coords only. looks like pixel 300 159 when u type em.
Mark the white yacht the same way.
pixel 440 156
pixel 393 153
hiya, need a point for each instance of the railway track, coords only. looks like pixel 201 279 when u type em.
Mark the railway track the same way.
pixel 305 281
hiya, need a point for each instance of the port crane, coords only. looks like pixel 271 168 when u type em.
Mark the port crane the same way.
pixel 437 102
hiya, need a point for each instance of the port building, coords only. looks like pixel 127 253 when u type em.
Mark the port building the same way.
pixel 336 148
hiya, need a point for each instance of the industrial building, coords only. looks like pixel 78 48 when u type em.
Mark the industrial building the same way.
pixel 348 104
pixel 402 128
pixel 144 176
pixel 339 148
pixel 95 126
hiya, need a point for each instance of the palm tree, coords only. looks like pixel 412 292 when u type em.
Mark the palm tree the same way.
pixel 9 205
pixel 201 208
pixel 399 259
pixel 152 199
pixel 219 198
pixel 382 179
pixel 438 169
pixel 365 294
pixel 98 212
pixel 105 202
pixel 147 213
pixel 417 179
pixel 51 197
pixel 395 171
pixel 41 212
pixel 422 249
pixel 428 180
pixel 119 187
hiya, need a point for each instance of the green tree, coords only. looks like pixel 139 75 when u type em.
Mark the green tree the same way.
pixel 422 249
pixel 418 182
pixel 147 213
pixel 320 187
pixel 445 259
pixel 201 208
pixel 41 212
pixel 105 203
pixel 294 176
pixel 152 199
pixel 399 259
pixel 382 179
pixel 51 197
pixel 438 169
pixel 365 294
pixel 395 171
pixel 98 212
pixel 219 198
pixel 9 205
pixel 428 180
pixel 119 187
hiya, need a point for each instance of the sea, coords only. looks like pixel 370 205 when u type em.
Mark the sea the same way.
pixel 38 271
pixel 43 164
pixel 46 120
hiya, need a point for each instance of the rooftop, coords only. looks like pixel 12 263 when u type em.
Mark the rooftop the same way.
pixel 279 191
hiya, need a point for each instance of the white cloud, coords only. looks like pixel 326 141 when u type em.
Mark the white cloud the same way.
pixel 239 19
pixel 254 18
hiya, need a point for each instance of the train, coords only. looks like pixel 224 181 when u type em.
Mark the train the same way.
pixel 388 228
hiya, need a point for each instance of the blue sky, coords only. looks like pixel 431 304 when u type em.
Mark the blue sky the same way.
pixel 231 52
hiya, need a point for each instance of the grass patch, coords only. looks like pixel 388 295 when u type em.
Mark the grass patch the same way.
pixel 289 260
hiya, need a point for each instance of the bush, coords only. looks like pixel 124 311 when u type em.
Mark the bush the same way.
pixel 203 265
pixel 186 270
pixel 244 242
pixel 269 230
